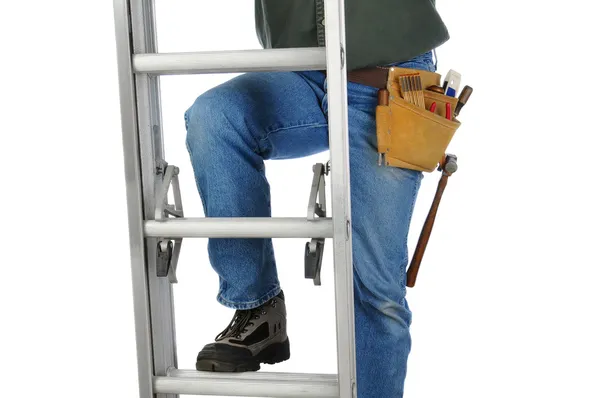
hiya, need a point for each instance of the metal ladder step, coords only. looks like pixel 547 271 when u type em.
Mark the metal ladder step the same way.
pixel 256 227
pixel 260 384
pixel 297 59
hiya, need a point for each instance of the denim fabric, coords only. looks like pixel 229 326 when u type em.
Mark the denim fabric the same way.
pixel 234 127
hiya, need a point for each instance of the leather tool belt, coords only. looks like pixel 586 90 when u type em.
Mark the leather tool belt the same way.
pixel 413 137
pixel 373 77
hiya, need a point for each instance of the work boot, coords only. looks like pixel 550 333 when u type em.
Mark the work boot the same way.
pixel 253 337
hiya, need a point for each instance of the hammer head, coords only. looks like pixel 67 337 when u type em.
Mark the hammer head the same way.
pixel 450 164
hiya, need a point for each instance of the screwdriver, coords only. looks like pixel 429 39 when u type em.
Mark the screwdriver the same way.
pixel 463 98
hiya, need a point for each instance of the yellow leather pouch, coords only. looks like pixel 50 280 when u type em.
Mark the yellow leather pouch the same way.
pixel 409 136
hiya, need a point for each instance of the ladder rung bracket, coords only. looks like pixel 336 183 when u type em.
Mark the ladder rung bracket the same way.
pixel 295 59
pixel 233 227
pixel 259 384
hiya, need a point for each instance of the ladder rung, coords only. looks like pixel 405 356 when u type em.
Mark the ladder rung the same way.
pixel 295 59
pixel 233 227
pixel 259 384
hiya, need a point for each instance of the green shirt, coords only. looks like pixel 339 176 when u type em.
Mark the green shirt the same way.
pixel 378 32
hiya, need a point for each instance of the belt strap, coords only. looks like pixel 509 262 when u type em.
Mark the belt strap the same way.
pixel 374 77
pixel 448 168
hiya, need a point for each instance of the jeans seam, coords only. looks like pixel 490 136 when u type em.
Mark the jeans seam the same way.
pixel 277 130
pixel 245 305
pixel 259 150
pixel 313 125
pixel 415 191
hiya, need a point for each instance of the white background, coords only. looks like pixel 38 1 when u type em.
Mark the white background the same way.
pixel 507 300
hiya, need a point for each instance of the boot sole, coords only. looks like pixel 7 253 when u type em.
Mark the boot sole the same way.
pixel 274 353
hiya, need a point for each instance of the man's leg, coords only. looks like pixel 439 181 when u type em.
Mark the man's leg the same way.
pixel 231 129
pixel 382 201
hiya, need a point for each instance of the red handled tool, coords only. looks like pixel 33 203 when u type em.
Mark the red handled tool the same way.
pixel 448 111
pixel 432 107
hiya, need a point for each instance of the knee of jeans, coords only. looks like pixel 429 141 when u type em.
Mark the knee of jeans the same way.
pixel 385 299
pixel 197 119
pixel 208 119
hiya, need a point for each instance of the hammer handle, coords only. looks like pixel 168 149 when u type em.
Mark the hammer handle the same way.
pixel 413 270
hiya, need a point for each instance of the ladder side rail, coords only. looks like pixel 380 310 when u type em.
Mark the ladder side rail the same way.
pixel 152 155
pixel 133 179
pixel 340 194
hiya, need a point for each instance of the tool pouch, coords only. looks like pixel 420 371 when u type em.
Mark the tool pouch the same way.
pixel 409 136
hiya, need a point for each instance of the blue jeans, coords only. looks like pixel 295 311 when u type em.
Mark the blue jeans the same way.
pixel 233 128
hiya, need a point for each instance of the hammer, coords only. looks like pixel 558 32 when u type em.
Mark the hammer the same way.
pixel 448 167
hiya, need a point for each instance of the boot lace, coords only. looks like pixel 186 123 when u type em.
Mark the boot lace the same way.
pixel 241 320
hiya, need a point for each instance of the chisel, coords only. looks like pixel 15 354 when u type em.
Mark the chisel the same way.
pixel 462 99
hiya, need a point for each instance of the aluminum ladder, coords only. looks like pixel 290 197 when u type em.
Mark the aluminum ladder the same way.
pixel 156 228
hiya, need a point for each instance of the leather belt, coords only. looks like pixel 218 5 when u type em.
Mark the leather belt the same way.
pixel 374 77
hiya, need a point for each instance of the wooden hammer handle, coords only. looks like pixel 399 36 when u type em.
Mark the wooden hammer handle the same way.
pixel 413 270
